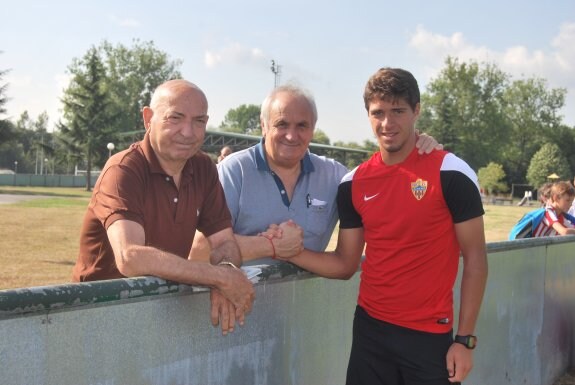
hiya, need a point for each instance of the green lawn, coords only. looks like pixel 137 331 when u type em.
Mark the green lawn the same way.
pixel 39 238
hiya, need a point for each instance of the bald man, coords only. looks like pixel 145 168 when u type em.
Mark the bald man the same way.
pixel 151 198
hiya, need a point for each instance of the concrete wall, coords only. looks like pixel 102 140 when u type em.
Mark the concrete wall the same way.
pixel 149 331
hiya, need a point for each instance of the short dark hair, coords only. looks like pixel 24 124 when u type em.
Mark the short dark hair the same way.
pixel 392 84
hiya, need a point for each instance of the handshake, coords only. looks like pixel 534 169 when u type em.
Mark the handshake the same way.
pixel 286 240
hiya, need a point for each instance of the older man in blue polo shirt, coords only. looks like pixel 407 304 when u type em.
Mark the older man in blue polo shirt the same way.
pixel 279 180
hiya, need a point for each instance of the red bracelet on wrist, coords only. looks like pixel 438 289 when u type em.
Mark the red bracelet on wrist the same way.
pixel 271 243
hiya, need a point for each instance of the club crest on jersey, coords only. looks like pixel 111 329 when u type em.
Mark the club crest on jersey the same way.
pixel 418 188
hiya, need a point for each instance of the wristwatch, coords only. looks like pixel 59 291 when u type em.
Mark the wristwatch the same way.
pixel 227 263
pixel 470 342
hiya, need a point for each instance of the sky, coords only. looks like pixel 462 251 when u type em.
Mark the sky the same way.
pixel 329 47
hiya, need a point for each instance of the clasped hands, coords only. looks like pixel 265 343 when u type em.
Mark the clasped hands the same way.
pixel 286 238
pixel 230 306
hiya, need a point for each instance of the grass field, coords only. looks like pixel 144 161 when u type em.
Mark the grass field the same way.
pixel 39 238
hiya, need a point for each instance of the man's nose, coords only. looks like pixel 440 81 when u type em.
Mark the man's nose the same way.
pixel 291 133
pixel 190 129
pixel 386 121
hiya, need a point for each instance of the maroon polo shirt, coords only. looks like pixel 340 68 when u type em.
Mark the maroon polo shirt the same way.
pixel 133 186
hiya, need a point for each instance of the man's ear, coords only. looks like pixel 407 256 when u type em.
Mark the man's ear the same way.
pixel 147 114
pixel 417 110
pixel 263 126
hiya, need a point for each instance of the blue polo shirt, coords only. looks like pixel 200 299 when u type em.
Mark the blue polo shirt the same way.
pixel 256 196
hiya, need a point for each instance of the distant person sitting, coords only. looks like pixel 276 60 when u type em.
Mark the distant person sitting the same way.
pixel 225 151
pixel 559 202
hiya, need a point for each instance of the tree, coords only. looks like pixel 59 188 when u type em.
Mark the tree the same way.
pixel 89 114
pixel 41 145
pixel 320 137
pixel 132 75
pixel 6 127
pixel 491 178
pixel 564 137
pixel 548 160
pixel 351 160
pixel 103 103
pixel 243 120
pixel 463 109
pixel 532 111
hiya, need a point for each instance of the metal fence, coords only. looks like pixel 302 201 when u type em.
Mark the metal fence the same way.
pixel 37 180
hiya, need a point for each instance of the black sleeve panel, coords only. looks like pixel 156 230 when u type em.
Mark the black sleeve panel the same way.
pixel 348 216
pixel 461 195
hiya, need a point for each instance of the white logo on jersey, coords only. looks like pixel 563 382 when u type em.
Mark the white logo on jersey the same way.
pixel 366 198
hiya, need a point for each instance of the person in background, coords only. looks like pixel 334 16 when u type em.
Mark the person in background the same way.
pixel 561 196
pixel 150 199
pixel 544 193
pixel 279 180
pixel 572 208
pixel 415 213
pixel 225 151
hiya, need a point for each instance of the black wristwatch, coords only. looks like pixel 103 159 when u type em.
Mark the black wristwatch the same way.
pixel 470 342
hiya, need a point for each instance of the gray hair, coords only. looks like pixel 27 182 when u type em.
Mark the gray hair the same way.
pixel 290 89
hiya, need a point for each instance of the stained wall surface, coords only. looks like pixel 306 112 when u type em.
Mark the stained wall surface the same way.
pixel 149 331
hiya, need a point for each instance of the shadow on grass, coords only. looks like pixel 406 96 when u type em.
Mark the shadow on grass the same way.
pixel 67 263
pixel 57 201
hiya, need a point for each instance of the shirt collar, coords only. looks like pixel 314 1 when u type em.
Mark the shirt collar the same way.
pixel 262 164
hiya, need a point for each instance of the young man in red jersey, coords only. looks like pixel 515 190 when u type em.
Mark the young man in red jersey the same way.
pixel 415 213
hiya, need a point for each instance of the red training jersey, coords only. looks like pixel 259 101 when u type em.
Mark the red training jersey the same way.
pixel 408 211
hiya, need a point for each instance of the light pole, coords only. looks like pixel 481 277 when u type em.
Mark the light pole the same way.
pixel 110 147
pixel 46 165
pixel 15 167
pixel 276 69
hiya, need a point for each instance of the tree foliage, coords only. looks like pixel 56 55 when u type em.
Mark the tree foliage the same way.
pixel 462 109
pixel 320 137
pixel 564 137
pixel 243 120
pixel 89 114
pixel 532 112
pixel 491 178
pixel 548 160
pixel 478 113
pixel 131 76
pixel 110 86
pixel 5 125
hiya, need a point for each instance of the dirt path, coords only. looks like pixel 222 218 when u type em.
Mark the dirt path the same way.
pixel 14 198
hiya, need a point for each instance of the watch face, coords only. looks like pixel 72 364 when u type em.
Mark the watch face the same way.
pixel 469 341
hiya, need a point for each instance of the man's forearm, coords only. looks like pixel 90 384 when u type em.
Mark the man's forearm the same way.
pixel 146 260
pixel 473 284
pixel 254 247
pixel 327 264
pixel 227 251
